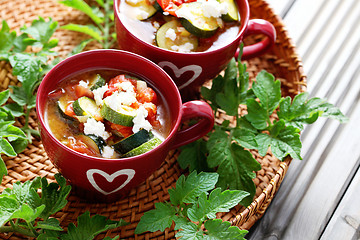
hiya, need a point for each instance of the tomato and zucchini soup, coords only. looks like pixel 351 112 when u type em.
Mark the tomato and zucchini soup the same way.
pixel 182 25
pixel 107 114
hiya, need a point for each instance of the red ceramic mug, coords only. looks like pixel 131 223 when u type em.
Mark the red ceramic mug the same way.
pixel 110 179
pixel 190 70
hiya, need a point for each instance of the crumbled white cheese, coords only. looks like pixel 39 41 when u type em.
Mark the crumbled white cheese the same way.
pixel 213 8
pixel 185 48
pixel 99 93
pixel 97 128
pixel 156 25
pixel 118 99
pixel 108 152
pixel 140 120
pixel 125 86
pixel 170 33
pixel 83 84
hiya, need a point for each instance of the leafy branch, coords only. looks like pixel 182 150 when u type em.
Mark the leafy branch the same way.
pixel 272 122
pixel 193 209
pixel 25 211
pixel 102 17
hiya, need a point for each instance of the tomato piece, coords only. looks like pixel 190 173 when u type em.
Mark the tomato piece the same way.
pixel 79 146
pixel 81 91
pixel 152 117
pixel 123 130
pixel 147 95
pixel 113 84
pixel 169 6
pixel 69 110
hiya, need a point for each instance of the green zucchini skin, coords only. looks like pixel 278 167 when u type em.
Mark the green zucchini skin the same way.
pixel 133 141
pixel 196 23
pixel 163 42
pixel 85 106
pixel 233 12
pixel 97 83
pixel 121 118
pixel 93 141
pixel 143 148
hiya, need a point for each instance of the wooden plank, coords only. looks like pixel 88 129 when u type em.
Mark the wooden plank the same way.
pixel 345 223
pixel 305 202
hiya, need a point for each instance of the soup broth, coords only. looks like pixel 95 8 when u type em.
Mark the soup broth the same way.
pixel 106 113
pixel 149 28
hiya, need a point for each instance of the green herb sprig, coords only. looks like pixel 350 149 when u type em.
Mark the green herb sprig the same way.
pixel 25 211
pixel 102 17
pixel 193 209
pixel 227 150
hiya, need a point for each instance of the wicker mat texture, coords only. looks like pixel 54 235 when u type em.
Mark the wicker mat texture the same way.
pixel 282 61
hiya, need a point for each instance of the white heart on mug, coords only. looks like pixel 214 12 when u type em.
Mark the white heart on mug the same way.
pixel 178 72
pixel 109 177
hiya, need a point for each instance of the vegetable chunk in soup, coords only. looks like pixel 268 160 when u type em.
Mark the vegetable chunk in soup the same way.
pixel 182 25
pixel 107 115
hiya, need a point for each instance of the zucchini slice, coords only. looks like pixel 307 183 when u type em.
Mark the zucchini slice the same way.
pixel 233 12
pixel 143 148
pixel 123 117
pixel 142 9
pixel 62 104
pixel 172 36
pixel 85 106
pixel 94 142
pixel 133 141
pixel 193 20
pixel 97 82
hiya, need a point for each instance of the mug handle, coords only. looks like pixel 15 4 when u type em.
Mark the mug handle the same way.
pixel 258 26
pixel 190 110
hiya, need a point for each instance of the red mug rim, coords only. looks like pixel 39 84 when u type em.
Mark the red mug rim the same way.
pixel 41 91
pixel 243 27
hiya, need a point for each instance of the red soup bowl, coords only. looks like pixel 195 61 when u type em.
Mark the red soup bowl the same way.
pixel 190 70
pixel 110 179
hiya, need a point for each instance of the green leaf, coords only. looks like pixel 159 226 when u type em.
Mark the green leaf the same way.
pixel 23 98
pixel 15 109
pixel 89 227
pixel 8 205
pixel 193 155
pixel 4 96
pixel 26 67
pixel 156 219
pixel 190 232
pixel 236 167
pixel 228 99
pixel 218 201
pixel 5 147
pixel 3 169
pixel 257 115
pixel 80 47
pixel 245 137
pixel 19 144
pixel 210 94
pixel 42 31
pixel 267 90
pixel 217 229
pixel 83 7
pixel 6 37
pixel 49 224
pixel 27 213
pixel 306 111
pixel 285 140
pixel 189 188
pixel 90 30
pixel 53 196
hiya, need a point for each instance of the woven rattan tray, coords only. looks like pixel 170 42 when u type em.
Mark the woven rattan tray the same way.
pixel 282 61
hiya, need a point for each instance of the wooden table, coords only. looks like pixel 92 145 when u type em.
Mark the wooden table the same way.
pixel 320 195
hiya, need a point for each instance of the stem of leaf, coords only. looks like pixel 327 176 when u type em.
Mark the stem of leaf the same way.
pixel 15 228
pixel 106 25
